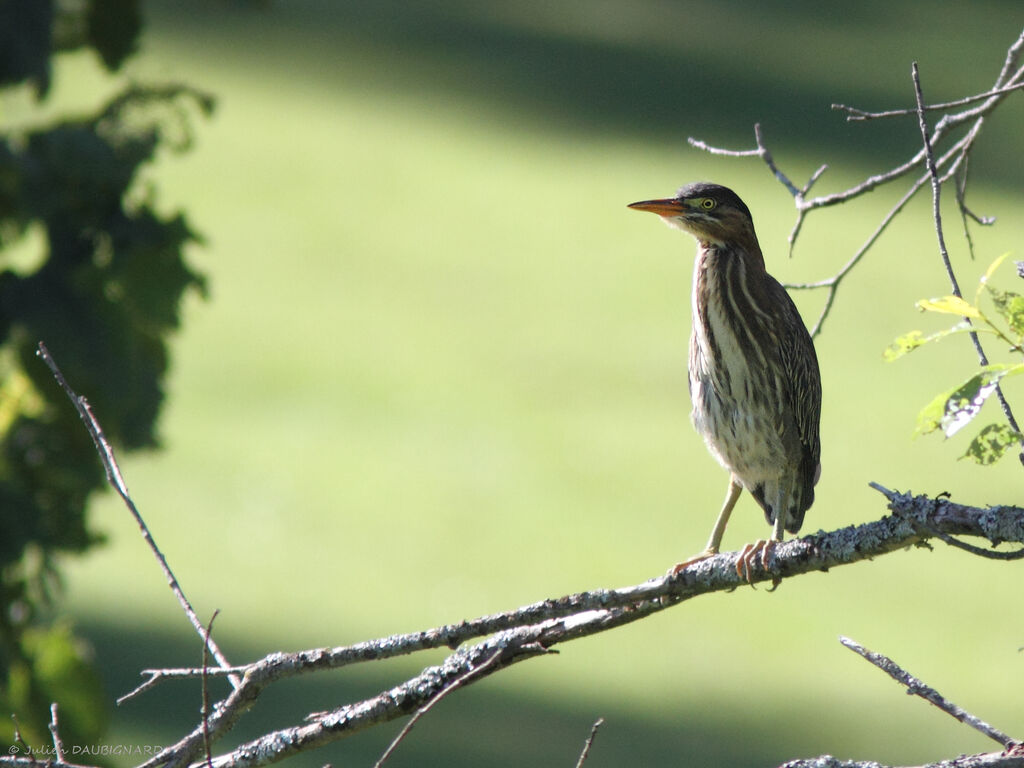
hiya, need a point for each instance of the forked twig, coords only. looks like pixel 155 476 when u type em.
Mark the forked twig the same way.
pixel 114 477
pixel 765 154
pixel 926 692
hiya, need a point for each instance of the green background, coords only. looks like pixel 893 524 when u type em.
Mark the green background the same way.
pixel 442 372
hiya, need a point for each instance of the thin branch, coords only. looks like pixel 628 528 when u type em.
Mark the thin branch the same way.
pixel 455 684
pixel 21 743
pixel 589 742
pixel 1012 56
pixel 114 477
pixel 58 743
pixel 990 554
pixel 833 282
pixel 854 114
pixel 933 174
pixel 966 214
pixel 765 154
pixel 156 676
pixel 926 692
pixel 206 691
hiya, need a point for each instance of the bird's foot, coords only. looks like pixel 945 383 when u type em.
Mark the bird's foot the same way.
pixel 760 550
pixel 675 569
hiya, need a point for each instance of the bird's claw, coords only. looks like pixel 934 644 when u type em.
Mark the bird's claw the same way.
pixel 675 569
pixel 760 550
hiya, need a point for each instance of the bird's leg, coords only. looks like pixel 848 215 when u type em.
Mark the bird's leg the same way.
pixel 731 495
pixel 762 548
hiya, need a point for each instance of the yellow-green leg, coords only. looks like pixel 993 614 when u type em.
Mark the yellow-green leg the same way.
pixel 731 496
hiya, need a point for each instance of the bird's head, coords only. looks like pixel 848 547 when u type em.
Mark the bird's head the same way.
pixel 713 214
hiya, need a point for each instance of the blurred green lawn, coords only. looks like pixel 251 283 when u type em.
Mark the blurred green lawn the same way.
pixel 443 372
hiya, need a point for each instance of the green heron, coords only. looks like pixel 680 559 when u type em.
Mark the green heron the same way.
pixel 753 373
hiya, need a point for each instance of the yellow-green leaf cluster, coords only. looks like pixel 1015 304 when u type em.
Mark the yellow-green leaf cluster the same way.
pixel 952 410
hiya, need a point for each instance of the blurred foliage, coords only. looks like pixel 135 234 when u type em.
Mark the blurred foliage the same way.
pixel 952 410
pixel 104 292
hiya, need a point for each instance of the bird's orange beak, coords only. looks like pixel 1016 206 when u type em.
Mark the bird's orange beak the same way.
pixel 670 206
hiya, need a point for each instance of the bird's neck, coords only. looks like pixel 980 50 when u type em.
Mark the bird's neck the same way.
pixel 714 254
pixel 720 269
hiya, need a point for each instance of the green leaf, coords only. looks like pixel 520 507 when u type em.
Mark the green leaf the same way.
pixel 991 443
pixel 1011 306
pixel 953 410
pixel 992 268
pixel 908 342
pixel 901 345
pixel 949 305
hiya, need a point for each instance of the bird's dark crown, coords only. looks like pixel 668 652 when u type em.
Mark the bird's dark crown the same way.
pixel 723 196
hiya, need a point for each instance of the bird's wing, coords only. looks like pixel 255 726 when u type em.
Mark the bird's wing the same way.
pixel 800 363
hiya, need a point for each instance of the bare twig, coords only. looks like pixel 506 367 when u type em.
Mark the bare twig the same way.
pixel 991 554
pixel 933 175
pixel 854 114
pixel 106 453
pixel 457 683
pixel 765 154
pixel 58 743
pixel 926 692
pixel 20 741
pixel 966 214
pixel 206 691
pixel 589 742
pixel 156 676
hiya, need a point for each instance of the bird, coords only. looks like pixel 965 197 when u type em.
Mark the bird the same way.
pixel 753 373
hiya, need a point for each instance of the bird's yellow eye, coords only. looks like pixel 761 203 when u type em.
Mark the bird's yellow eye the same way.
pixel 707 203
